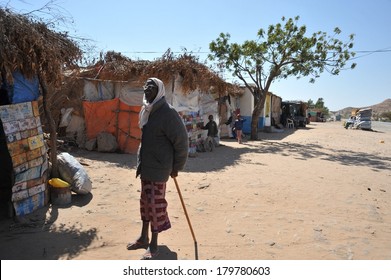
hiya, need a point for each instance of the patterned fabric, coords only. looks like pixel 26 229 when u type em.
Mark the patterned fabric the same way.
pixel 153 205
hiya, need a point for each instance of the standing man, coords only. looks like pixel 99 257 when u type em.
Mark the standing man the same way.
pixel 162 153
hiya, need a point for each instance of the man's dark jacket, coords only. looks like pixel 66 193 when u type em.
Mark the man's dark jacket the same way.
pixel 164 144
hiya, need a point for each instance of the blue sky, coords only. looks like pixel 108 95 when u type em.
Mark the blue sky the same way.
pixel 146 29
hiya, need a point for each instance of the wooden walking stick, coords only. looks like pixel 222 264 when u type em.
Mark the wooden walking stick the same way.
pixel 187 217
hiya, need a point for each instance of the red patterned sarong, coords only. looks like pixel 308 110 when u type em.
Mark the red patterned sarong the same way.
pixel 153 205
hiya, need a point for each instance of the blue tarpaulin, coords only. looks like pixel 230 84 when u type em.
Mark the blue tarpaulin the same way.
pixel 23 89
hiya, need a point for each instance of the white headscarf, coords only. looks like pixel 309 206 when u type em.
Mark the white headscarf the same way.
pixel 147 107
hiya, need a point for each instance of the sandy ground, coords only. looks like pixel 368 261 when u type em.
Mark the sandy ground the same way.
pixel 322 192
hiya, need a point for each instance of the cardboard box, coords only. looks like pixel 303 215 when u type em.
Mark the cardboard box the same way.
pixel 36 142
pixel 25 134
pixel 25 142
pixel 33 154
pixel 16 196
pixel 19 187
pixel 34 132
pixel 18 147
pixel 28 123
pixel 20 111
pixel 19 159
pixel 36 189
pixel 36 162
pixel 29 174
pixel 7 113
pixel 30 204
pixel 34 105
pixel 25 110
pixel 37 181
pixel 21 168
pixel 11 127
pixel 13 137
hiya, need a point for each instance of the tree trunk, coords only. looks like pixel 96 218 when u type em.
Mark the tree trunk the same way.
pixel 52 128
pixel 259 103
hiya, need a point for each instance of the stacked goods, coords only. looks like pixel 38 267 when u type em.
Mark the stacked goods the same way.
pixel 23 131
pixel 193 123
pixel 363 119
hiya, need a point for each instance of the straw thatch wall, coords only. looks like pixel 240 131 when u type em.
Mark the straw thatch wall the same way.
pixel 32 48
pixel 194 75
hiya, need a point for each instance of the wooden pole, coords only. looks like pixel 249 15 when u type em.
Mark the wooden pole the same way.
pixel 187 218
pixel 52 128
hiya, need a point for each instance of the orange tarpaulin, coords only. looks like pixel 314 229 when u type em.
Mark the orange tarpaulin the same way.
pixel 115 117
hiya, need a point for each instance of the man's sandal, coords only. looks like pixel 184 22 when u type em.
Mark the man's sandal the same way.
pixel 137 245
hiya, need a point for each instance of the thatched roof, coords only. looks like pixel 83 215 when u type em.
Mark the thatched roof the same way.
pixel 195 75
pixel 31 47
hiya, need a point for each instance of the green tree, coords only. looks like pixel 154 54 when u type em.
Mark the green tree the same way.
pixel 386 116
pixel 281 52
pixel 310 103
pixel 320 105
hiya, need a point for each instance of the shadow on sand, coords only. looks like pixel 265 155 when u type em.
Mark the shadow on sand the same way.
pixel 35 237
pixel 20 240
pixel 224 155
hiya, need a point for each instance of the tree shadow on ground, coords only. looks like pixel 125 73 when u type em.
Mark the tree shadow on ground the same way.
pixel 224 155
pixel 36 237
pixel 130 160
pixel 341 156
pixel 280 135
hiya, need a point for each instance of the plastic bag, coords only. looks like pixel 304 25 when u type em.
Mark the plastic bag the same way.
pixel 66 117
pixel 73 172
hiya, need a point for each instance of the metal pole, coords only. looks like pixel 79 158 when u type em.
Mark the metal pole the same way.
pixel 187 218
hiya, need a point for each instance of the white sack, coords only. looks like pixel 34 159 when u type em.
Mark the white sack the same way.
pixel 74 173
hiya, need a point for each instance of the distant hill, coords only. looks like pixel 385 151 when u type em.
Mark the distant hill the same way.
pixel 377 109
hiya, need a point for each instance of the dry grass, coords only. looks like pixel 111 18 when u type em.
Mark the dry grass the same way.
pixel 31 47
pixel 195 75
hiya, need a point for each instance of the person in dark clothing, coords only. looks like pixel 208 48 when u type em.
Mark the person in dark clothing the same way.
pixel 162 153
pixel 211 126
pixel 231 124
pixel 212 140
pixel 238 127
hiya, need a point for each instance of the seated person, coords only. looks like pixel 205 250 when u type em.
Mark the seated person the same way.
pixel 350 122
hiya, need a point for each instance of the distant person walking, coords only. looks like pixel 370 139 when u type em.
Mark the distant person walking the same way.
pixel 230 124
pixel 238 127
